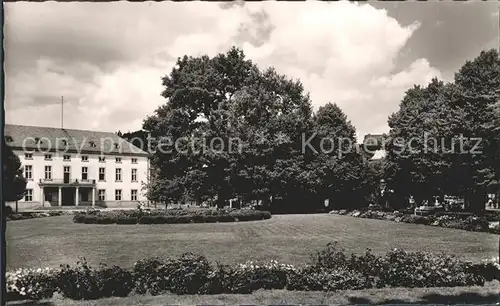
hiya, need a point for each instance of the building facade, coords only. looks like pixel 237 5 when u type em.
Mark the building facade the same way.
pixel 66 167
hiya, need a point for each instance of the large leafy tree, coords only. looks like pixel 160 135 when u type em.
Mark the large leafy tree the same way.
pixel 14 183
pixel 479 84
pixel 343 176
pixel 442 124
pixel 213 103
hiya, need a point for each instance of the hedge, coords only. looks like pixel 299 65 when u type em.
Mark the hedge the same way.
pixel 330 269
pixel 458 220
pixel 168 216
pixel 35 215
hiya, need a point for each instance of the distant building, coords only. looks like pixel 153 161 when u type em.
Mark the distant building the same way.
pixel 373 145
pixel 76 167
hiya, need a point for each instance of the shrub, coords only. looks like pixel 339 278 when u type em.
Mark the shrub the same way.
pixel 90 219
pixel 210 219
pixel 31 284
pixel 158 219
pixel 79 218
pixel 416 219
pixel 186 275
pixel 420 269
pixel 331 269
pixel 225 218
pixel 84 283
pixel 309 279
pixel 8 210
pixel 105 220
pixel 184 219
pixel 170 216
pixel 250 277
pixel 126 220
pixel 145 219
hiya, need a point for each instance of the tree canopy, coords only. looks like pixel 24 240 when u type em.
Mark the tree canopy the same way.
pixel 14 183
pixel 444 137
pixel 235 130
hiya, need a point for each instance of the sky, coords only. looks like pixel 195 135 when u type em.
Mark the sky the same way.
pixel 107 59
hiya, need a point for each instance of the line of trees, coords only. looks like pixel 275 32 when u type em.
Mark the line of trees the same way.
pixel 468 107
pixel 228 97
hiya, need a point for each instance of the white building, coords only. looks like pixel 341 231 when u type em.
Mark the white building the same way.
pixel 67 167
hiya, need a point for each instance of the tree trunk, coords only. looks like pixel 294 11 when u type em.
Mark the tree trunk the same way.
pixel 17 208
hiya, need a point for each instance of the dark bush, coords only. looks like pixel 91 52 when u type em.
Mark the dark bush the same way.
pixel 454 213
pixel 331 269
pixel 170 216
pixel 187 275
pixel 159 220
pixel 145 219
pixel 8 210
pixel 210 219
pixel 90 219
pixel 198 218
pixel 184 219
pixel 79 218
pixel 126 220
pixel 419 269
pixel 84 283
pixel 105 220
pixel 225 218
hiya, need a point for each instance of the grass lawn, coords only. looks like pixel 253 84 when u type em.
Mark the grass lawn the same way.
pixel 489 294
pixel 288 238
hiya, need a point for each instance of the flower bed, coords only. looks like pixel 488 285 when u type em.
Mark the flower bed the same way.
pixel 465 221
pixel 329 270
pixel 172 216
pixel 34 215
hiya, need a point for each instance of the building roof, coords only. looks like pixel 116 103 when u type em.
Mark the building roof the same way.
pixel 68 140
pixel 374 139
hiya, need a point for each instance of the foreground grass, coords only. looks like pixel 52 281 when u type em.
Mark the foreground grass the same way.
pixel 488 294
pixel 287 238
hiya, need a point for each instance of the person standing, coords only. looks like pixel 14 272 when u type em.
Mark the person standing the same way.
pixel 411 201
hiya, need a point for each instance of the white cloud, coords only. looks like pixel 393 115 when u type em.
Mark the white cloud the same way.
pixel 343 52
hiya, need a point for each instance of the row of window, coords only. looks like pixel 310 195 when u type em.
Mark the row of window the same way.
pixel 85 158
pixel 101 195
pixel 28 173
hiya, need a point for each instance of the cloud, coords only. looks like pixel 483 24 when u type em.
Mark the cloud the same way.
pixel 107 59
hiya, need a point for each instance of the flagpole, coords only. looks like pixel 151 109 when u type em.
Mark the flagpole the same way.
pixel 62 112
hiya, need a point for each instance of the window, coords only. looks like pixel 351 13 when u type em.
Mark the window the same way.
pixel 67 157
pixel 85 173
pixel 8 138
pixel 92 144
pixel 101 195
pixel 28 197
pixel 85 158
pixel 102 174
pixel 64 142
pixel 28 155
pixel 133 195
pixel 134 175
pixel 118 160
pixel 48 156
pixel 28 172
pixel 118 175
pixel 48 172
pixel 134 160
pixel 102 159
pixel 118 195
